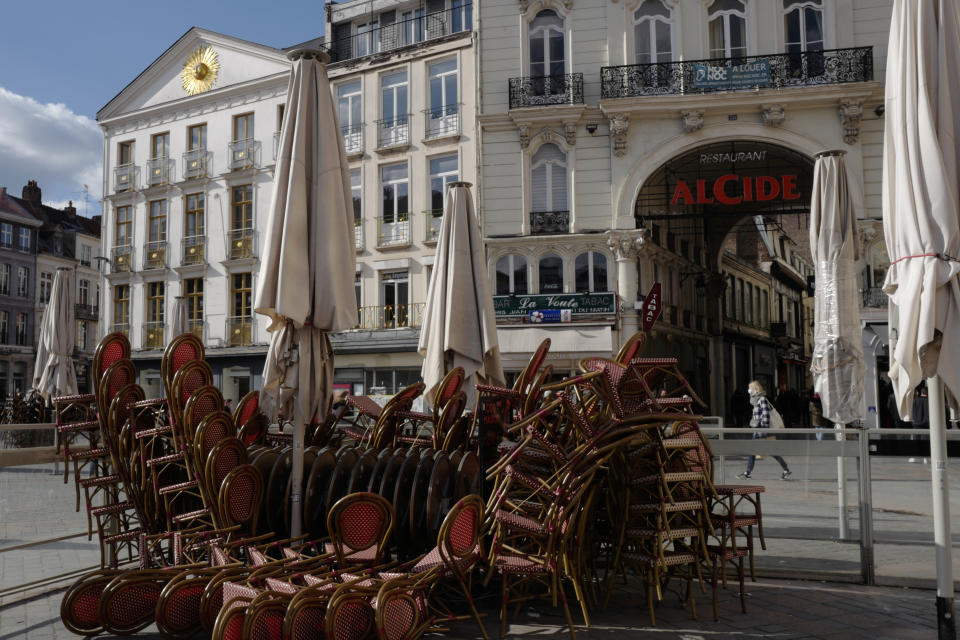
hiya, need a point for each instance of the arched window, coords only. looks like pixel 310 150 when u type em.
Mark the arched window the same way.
pixel 546 45
pixel 652 41
pixel 728 29
pixel 512 275
pixel 803 25
pixel 551 273
pixel 590 272
pixel 548 170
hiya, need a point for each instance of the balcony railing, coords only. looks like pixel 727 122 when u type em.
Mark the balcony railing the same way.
pixel 197 163
pixel 394 132
pixel 86 311
pixel 193 250
pixel 125 177
pixel 358 234
pixel 433 219
pixel 240 331
pixel 244 153
pixel 352 138
pixel 395 233
pixel 121 259
pixel 538 91
pixel 153 336
pixel 404 33
pixel 155 255
pixel 776 71
pixel 442 121
pixel 159 171
pixel 243 244
pixel 400 316
pixel 875 298
pixel 120 327
pixel 196 327
pixel 549 222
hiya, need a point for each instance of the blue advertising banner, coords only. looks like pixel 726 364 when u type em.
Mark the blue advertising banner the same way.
pixel 749 74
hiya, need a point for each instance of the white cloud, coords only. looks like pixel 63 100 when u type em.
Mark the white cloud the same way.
pixel 48 143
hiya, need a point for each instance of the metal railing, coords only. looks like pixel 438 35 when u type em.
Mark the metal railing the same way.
pixel 193 250
pixel 244 153
pixel 125 177
pixel 155 255
pixel 400 316
pixel 243 244
pixel 159 171
pixel 395 233
pixel 121 327
pixel 776 71
pixel 86 311
pixel 539 91
pixel 197 163
pixel 240 331
pixel 197 327
pixel 121 259
pixel 352 138
pixel 403 33
pixel 153 333
pixel 394 132
pixel 549 222
pixel 442 121
pixel 875 298
pixel 358 234
pixel 433 219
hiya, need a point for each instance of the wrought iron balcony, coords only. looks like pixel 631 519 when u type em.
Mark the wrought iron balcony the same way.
pixel 243 244
pixel 153 336
pixel 240 331
pixel 399 316
pixel 353 138
pixel 394 132
pixel 197 163
pixel 193 250
pixel 433 219
pixel 775 71
pixel 442 121
pixel 539 91
pixel 125 177
pixel 86 311
pixel 121 259
pixel 358 234
pixel 395 233
pixel 404 33
pixel 159 171
pixel 875 298
pixel 120 327
pixel 244 153
pixel 155 255
pixel 549 222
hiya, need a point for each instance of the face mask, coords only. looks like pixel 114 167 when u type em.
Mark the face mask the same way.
pixel 752 393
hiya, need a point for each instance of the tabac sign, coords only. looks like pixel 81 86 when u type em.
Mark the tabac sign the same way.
pixel 652 307
pixel 575 303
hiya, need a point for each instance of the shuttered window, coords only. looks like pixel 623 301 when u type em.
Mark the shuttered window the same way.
pixel 548 175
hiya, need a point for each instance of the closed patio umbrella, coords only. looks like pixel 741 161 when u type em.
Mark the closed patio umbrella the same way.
pixel 459 327
pixel 178 320
pixel 53 373
pixel 921 220
pixel 305 285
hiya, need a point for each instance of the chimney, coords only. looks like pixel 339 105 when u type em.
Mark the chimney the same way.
pixel 31 193
pixel 70 210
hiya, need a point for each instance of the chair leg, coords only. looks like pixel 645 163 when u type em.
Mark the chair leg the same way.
pixel 653 618
pixel 714 586
pixel 743 599
pixel 473 609
pixel 566 612
pixel 504 605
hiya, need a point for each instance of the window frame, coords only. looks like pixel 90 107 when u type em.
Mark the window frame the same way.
pixel 540 267
pixel 550 191
pixel 4 326
pixel 652 20
pixel 193 297
pixel 23 282
pixel 198 213
pixel 123 226
pixel 6 235
pixel 591 272
pixel 396 214
pixel 164 146
pixel 246 211
pixel 801 7
pixel 202 129
pixel 245 290
pixel 511 273
pixel 155 301
pixel 21 330
pixel 157 214
pixel 444 178
pixel 5 278
pixel 248 126
pixel 121 304
pixel 23 240
pixel 724 16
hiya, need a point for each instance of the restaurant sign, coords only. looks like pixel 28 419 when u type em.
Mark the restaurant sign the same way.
pixel 749 74
pixel 575 303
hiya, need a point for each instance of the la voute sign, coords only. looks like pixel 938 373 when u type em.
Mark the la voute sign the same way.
pixel 652 307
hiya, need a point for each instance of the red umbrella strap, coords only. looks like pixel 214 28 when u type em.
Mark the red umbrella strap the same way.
pixel 941 256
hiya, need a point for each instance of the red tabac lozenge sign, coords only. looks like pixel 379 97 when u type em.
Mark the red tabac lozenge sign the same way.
pixel 731 189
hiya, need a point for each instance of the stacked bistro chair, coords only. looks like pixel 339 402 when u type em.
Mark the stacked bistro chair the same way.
pixel 377 426
pixel 440 421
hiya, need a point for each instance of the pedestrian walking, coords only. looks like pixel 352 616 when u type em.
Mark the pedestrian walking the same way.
pixel 762 412
pixel 816 414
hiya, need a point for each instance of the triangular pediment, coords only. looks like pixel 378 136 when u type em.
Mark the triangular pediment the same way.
pixel 239 61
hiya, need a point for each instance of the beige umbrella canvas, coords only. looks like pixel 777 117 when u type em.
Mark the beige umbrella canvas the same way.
pixel 459 326
pixel 53 373
pixel 178 319
pixel 305 284
pixel 921 220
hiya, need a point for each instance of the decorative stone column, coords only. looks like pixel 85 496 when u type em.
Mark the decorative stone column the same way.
pixel 627 246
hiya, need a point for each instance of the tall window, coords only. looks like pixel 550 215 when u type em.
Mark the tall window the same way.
pixel 394 289
pixel 548 170
pixel 462 15
pixel 24 239
pixel 124 227
pixel 160 146
pixel 546 45
pixel 242 127
pixel 393 109
pixel 242 207
pixel 652 41
pixel 121 304
pixel 125 153
pixel 365 41
pixel 242 287
pixel 728 29
pixel 356 193
pixel 4 327
pixel 21 329
pixel 590 272
pixel 357 289
pixel 46 286
pixel 6 235
pixel 551 274
pixel 4 279
pixel 512 275
pixel 443 171
pixel 350 112
pixel 193 215
pixel 86 255
pixel 443 115
pixel 82 335
pixel 23 282
pixel 157 229
pixel 803 25
pixel 155 301
pixel 193 291
pixel 83 292
pixel 412 24
pixel 396 188
pixel 197 137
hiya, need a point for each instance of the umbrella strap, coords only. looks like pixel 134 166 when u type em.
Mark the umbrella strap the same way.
pixel 940 256
pixel 817 369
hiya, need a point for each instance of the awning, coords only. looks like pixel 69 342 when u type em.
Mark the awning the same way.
pixel 592 340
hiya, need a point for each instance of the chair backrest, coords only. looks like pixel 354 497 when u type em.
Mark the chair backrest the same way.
pixel 536 361
pixel 248 407
pixel 404 398
pixel 188 378
pixel 117 376
pixel 213 429
pixel 225 456
pixel 182 349
pixel 452 411
pixel 201 403
pixel 360 522
pixel 531 401
pixel 460 532
pixel 113 347
pixel 632 348
pixel 240 497
pixel 447 388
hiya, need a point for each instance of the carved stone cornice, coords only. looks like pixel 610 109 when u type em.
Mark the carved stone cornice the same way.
pixel 691 120
pixel 619 124
pixel 627 244
pixel 538 5
pixel 524 130
pixel 851 111
pixel 773 115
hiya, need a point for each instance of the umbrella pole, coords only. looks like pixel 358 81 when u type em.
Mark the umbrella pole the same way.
pixel 946 625
pixel 296 480
pixel 842 489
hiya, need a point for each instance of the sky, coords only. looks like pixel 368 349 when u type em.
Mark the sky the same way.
pixel 62 60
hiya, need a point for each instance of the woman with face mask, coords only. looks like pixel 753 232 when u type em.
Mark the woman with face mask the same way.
pixel 761 419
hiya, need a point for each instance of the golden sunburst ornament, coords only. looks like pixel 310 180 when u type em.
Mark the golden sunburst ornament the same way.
pixel 200 70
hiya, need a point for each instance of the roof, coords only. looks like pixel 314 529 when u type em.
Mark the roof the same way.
pixel 12 209
pixel 50 218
